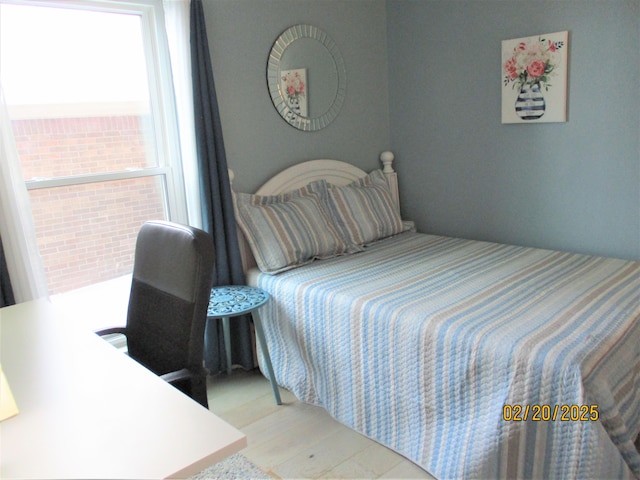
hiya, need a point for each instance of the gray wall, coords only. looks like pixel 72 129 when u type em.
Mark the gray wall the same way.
pixel 424 79
pixel 258 142
pixel 570 186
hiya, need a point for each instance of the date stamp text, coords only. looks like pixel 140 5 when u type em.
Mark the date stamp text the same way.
pixel 550 413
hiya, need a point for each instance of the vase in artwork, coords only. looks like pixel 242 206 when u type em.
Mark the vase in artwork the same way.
pixel 530 103
pixel 294 105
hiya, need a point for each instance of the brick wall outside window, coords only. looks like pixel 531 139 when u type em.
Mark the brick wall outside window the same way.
pixel 86 233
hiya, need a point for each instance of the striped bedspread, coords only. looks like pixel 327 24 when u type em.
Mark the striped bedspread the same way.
pixel 436 347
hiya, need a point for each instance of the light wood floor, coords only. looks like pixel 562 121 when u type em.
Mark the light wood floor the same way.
pixel 296 440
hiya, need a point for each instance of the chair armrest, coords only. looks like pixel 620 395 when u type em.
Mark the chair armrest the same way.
pixel 111 331
pixel 191 382
pixel 184 374
pixel 176 376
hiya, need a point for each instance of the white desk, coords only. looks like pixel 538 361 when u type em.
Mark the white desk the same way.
pixel 88 411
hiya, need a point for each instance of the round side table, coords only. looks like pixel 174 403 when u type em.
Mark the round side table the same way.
pixel 234 300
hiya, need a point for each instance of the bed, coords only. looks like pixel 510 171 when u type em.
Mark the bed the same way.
pixel 472 359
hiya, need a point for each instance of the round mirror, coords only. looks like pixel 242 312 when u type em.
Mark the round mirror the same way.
pixel 306 77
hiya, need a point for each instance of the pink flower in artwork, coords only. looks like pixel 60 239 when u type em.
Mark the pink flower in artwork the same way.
pixel 531 62
pixel 510 69
pixel 294 84
pixel 536 68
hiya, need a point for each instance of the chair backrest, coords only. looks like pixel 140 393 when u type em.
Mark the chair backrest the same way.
pixel 172 277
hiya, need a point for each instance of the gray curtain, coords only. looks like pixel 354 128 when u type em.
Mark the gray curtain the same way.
pixel 6 292
pixel 217 204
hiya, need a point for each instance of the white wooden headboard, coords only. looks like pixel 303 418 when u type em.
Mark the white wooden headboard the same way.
pixel 335 172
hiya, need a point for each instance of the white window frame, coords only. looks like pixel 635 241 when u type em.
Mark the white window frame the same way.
pixel 162 103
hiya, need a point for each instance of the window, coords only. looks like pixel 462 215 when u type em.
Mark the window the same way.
pixel 88 90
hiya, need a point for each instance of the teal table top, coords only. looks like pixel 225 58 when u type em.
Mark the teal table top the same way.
pixel 233 300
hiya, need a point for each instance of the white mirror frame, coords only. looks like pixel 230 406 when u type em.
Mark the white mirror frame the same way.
pixel 273 78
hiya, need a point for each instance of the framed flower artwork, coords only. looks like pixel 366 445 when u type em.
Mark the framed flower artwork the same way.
pixel 294 87
pixel 534 79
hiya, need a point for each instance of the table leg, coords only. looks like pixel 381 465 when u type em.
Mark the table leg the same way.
pixel 227 342
pixel 257 321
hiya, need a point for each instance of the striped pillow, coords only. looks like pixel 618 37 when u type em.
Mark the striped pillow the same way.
pixel 364 210
pixel 289 230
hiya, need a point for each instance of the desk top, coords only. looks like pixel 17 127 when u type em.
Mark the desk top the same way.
pixel 234 300
pixel 89 411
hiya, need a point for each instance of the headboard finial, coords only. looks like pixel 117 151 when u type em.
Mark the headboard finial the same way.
pixel 387 159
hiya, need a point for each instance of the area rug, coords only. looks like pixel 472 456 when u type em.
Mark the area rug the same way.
pixel 234 467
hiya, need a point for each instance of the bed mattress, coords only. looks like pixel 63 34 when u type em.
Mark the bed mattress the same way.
pixel 472 359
